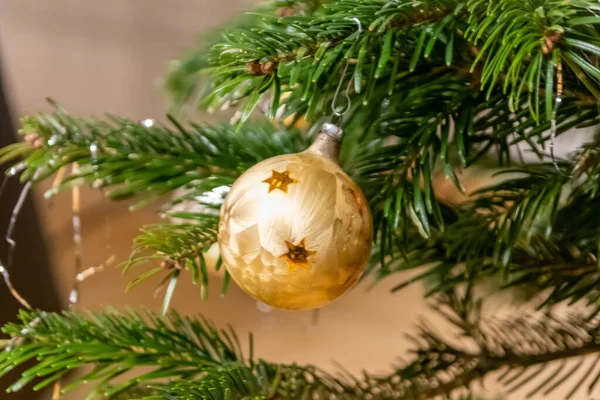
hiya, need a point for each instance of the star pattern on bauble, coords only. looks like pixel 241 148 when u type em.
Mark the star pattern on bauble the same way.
pixel 297 255
pixel 280 180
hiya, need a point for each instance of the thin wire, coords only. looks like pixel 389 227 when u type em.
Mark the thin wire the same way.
pixel 12 244
pixel 334 103
pixel 557 102
pixel 76 222
pixel 80 276
pixel 74 294
pixel 94 156
pixel 13 221
pixel 91 271
pixel 360 29
pixel 12 172
pixel 6 276
pixel 5 268
pixel 4 271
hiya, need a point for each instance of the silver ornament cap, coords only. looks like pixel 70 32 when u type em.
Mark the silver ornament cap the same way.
pixel 328 142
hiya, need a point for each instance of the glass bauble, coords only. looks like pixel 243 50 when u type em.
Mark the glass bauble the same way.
pixel 295 230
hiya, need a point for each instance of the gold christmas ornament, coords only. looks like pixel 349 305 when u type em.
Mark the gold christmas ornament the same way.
pixel 295 230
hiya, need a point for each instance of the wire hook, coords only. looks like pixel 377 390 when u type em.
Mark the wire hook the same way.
pixel 360 29
pixel 339 111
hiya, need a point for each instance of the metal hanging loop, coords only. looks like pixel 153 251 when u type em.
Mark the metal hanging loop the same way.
pixel 340 110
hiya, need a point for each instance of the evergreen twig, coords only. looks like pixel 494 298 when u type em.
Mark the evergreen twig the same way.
pixel 143 160
pixel 206 360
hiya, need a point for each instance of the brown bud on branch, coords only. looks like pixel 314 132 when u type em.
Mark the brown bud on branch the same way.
pixel 256 68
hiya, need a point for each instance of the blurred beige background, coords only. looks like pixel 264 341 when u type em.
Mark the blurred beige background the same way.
pixel 105 56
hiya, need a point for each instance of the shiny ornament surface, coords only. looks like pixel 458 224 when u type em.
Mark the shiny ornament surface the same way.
pixel 295 230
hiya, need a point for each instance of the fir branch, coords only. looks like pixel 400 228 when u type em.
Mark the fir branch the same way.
pixel 525 41
pixel 114 344
pixel 558 267
pixel 141 160
pixel 192 353
pixel 305 56
pixel 514 342
pixel 395 174
pixel 178 245
pixel 135 392
pixel 437 121
pixel 201 360
pixel 400 96
pixel 261 381
pixel 532 204
pixel 335 27
pixel 183 79
pixel 235 381
pixel 537 229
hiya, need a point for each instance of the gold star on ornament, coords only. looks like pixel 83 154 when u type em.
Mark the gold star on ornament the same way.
pixel 297 255
pixel 279 180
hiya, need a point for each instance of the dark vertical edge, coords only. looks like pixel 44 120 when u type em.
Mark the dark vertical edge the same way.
pixel 31 272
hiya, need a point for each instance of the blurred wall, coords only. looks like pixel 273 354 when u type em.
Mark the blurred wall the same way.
pixel 97 56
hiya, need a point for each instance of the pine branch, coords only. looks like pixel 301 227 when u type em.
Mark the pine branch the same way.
pixel 531 204
pixel 199 359
pixel 537 229
pixel 140 161
pixel 405 48
pixel 558 267
pixel 183 79
pixel 235 382
pixel 197 355
pixel 414 57
pixel 438 122
pixel 178 245
pixel 526 41
pixel 115 344
pixel 135 392
pixel 514 342
pixel 262 381
pixel 334 28
pixel 305 55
